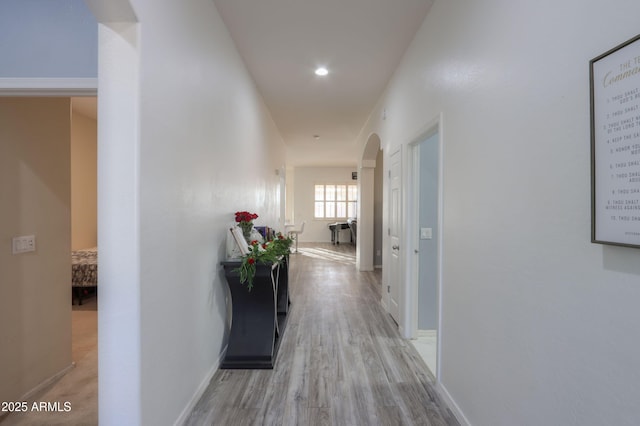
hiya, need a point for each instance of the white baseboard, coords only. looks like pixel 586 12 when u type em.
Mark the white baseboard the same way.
pixel 182 418
pixel 457 412
pixel 383 303
pixel 48 382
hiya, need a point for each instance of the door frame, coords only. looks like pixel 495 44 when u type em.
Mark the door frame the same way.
pixel 412 227
pixel 44 87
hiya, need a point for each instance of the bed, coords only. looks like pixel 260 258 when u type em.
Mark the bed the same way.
pixel 84 272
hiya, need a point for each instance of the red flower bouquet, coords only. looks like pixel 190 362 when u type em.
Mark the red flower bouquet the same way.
pixel 245 222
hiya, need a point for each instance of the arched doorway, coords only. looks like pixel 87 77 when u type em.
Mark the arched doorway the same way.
pixel 370 190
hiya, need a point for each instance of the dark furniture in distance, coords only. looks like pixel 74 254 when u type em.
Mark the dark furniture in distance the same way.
pixel 84 273
pixel 335 231
pixel 336 227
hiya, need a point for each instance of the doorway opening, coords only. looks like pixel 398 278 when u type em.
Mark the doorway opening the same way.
pixel 84 242
pixel 425 233
pixel 370 216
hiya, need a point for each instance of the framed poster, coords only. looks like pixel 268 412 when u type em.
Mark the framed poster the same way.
pixel 615 145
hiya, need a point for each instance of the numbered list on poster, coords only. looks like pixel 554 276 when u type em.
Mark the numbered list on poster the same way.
pixel 616 80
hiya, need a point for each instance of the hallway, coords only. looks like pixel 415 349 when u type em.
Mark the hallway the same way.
pixel 342 360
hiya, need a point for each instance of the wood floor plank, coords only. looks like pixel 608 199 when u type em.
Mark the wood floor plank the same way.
pixel 319 417
pixel 253 395
pixel 298 391
pixel 380 386
pixel 296 414
pixel 412 401
pixel 341 361
pixel 322 378
pixel 272 413
pixel 361 392
pixel 392 416
pixel 342 407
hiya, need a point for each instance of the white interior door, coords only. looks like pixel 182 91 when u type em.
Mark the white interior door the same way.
pixel 395 230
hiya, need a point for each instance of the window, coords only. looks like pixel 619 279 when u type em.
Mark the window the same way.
pixel 335 201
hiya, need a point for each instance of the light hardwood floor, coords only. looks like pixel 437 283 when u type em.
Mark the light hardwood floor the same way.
pixel 79 386
pixel 341 361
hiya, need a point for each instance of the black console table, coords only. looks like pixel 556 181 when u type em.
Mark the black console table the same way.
pixel 259 316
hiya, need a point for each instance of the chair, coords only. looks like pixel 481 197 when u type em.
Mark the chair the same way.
pixel 353 225
pixel 294 233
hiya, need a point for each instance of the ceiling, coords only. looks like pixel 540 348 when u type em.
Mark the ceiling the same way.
pixel 360 42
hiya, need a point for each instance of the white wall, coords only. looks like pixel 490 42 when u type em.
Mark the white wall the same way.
pixel 539 325
pixel 193 145
pixel 84 184
pixel 119 396
pixel 35 287
pixel 303 198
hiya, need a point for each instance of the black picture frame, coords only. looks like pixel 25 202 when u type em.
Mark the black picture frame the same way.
pixel 614 80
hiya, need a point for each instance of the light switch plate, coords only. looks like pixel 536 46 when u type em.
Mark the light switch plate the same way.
pixel 426 233
pixel 23 244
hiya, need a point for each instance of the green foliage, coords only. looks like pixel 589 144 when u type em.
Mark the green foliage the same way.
pixel 263 253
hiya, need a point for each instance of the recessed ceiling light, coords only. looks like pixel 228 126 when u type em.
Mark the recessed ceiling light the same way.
pixel 316 137
pixel 322 71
